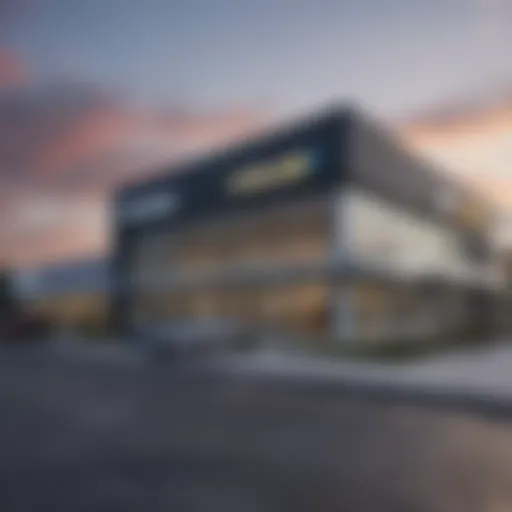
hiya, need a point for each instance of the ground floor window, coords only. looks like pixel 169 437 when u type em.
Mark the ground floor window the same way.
pixel 369 310
pixel 295 234
pixel 301 309
pixel 407 310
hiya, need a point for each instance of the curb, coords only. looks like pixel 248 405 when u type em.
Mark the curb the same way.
pixel 378 389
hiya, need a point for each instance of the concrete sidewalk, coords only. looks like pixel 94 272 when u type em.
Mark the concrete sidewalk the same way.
pixel 475 377
pixel 484 369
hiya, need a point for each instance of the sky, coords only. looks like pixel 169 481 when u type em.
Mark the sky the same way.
pixel 94 93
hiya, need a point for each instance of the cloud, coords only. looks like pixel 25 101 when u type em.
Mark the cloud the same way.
pixel 77 135
pixel 44 130
pixel 13 72
pixel 472 139
pixel 484 103
pixel 48 228
pixel 65 143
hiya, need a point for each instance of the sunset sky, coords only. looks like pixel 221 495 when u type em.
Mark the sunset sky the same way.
pixel 96 92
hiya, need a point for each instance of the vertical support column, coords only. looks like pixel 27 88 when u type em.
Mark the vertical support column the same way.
pixel 343 313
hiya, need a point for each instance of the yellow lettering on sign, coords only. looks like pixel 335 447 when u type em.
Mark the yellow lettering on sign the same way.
pixel 259 177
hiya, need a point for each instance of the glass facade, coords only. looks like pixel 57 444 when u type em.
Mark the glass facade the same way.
pixel 380 234
pixel 404 310
pixel 277 237
pixel 386 235
pixel 369 230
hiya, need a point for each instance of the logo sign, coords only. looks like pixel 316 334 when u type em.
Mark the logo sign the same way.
pixel 285 171
pixel 148 208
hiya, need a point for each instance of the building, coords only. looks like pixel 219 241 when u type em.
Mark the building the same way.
pixel 326 227
pixel 70 295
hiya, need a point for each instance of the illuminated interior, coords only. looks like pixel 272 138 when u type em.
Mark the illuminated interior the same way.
pixel 75 310
pixel 284 236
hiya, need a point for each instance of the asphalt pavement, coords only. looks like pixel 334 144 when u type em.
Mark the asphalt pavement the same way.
pixel 79 435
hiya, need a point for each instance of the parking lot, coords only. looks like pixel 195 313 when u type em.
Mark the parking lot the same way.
pixel 96 433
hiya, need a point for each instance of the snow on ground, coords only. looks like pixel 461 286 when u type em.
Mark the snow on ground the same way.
pixel 486 371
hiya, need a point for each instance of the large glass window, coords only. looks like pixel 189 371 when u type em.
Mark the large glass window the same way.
pixel 278 236
pixel 378 232
pixel 299 309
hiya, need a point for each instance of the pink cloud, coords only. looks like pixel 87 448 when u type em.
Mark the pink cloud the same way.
pixel 75 142
pixel 474 143
pixel 13 72
pixel 71 131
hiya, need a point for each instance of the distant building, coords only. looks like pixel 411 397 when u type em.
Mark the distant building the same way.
pixel 72 294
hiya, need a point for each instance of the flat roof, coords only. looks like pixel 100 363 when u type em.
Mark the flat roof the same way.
pixel 254 145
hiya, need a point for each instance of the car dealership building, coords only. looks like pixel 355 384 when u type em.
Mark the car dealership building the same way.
pixel 325 227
